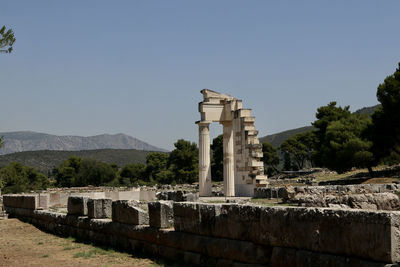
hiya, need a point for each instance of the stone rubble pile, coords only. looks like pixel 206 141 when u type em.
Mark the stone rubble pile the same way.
pixel 361 196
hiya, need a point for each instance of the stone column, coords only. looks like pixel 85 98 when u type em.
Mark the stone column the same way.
pixel 229 161
pixel 204 160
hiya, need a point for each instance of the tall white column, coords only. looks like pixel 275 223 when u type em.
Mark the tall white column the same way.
pixel 229 160
pixel 204 160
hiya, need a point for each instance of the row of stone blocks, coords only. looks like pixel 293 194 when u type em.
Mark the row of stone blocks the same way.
pixel 268 234
pixel 160 214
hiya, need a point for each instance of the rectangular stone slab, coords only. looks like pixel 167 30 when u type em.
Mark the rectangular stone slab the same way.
pixel 99 208
pixel 21 201
pixel 77 206
pixel 161 214
pixel 367 234
pixel 124 211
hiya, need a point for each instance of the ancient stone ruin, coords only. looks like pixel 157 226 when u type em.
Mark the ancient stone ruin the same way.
pixel 203 234
pixel 243 167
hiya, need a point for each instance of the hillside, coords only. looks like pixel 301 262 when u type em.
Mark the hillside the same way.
pixel 33 141
pixel 46 160
pixel 367 110
pixel 277 139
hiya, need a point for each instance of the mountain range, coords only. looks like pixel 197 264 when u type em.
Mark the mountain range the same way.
pixel 33 141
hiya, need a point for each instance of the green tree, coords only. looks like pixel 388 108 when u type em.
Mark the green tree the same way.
pixel 95 172
pixel 270 158
pixel 385 130
pixel 67 172
pixel 166 176
pixel 301 148
pixel 132 173
pixel 325 115
pixel 217 160
pixel 341 139
pixel 287 162
pixel 183 161
pixel 16 178
pixel 7 40
pixel 82 172
pixel 155 163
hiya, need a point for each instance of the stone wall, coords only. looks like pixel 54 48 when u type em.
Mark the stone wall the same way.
pixel 236 235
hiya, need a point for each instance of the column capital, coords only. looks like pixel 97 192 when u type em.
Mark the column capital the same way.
pixel 203 123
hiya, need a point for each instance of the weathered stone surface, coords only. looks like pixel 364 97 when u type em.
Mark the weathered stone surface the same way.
pixel 77 206
pixel 161 214
pixel 21 201
pixel 99 208
pixel 147 195
pixel 282 257
pixel 44 201
pixel 191 197
pixel 361 233
pixel 374 201
pixel 125 211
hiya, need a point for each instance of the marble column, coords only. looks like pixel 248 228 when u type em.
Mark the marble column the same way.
pixel 204 160
pixel 229 160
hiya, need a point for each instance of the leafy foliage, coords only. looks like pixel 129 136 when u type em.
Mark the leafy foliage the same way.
pixel 301 148
pixel 217 160
pixel 341 140
pixel 385 130
pixel 7 40
pixel 183 161
pixel 16 178
pixel 270 158
pixel 82 172
pixel 132 173
pixel 155 163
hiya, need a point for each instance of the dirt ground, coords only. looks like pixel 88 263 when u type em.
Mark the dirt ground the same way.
pixel 22 244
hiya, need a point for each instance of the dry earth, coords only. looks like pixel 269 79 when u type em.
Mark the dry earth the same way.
pixel 21 244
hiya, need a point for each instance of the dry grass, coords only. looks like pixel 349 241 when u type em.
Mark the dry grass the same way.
pixel 21 244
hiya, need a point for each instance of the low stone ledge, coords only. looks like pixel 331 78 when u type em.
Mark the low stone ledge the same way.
pixel 77 206
pixel 368 234
pixel 21 201
pixel 124 211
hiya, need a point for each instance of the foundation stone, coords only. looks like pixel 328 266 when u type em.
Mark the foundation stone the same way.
pixel 30 202
pixel 99 208
pixel 161 214
pixel 124 211
pixel 77 206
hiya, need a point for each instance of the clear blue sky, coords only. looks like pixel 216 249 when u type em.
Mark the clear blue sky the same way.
pixel 136 67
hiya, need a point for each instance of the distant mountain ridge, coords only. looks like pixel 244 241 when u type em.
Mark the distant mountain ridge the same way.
pixel 46 160
pixel 277 138
pixel 34 141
